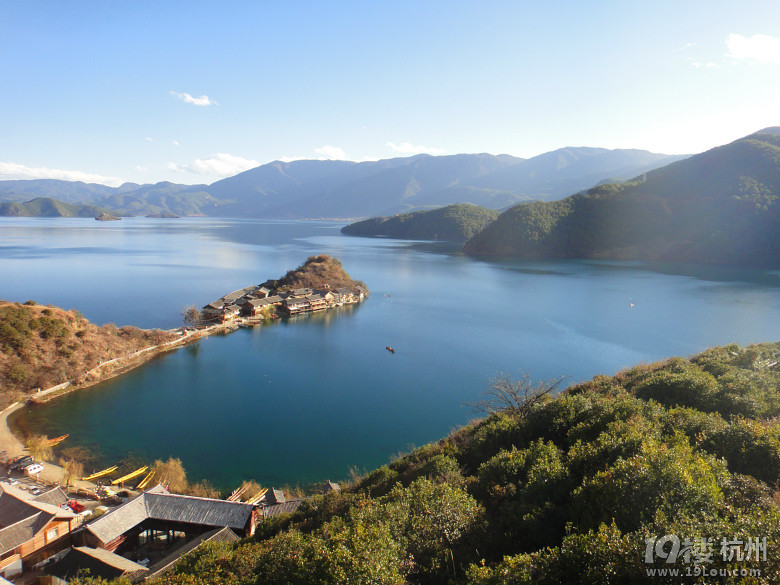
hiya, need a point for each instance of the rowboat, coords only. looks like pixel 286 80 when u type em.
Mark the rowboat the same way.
pixel 145 481
pixel 56 440
pixel 130 475
pixel 390 349
pixel 100 473
pixel 257 497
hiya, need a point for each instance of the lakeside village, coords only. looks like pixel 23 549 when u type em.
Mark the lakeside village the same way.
pixel 264 301
pixel 52 535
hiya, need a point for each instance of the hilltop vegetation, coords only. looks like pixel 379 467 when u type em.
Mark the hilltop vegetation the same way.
pixel 315 273
pixel 717 207
pixel 41 346
pixel 556 490
pixel 48 207
pixel 454 223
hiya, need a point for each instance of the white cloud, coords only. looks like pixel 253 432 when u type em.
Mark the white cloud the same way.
pixel 708 65
pixel 203 100
pixel 176 143
pixel 408 148
pixel 10 171
pixel 331 152
pixel 761 48
pixel 140 168
pixel 219 165
pixel 149 139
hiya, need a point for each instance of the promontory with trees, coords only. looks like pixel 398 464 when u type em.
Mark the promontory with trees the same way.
pixel 718 207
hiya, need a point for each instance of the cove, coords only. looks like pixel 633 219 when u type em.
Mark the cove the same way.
pixel 308 398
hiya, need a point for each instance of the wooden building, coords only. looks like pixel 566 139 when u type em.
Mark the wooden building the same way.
pixel 126 527
pixel 32 527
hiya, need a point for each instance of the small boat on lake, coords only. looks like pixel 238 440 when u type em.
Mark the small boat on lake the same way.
pixel 100 473
pixel 390 349
pixel 130 475
pixel 56 441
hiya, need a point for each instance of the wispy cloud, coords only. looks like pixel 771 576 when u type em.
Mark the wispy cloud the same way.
pixel 149 139
pixel 760 48
pixel 707 65
pixel 203 100
pixel 10 171
pixel 176 143
pixel 219 165
pixel 408 148
pixel 331 152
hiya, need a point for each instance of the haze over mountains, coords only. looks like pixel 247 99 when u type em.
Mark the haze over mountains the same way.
pixel 720 206
pixel 317 188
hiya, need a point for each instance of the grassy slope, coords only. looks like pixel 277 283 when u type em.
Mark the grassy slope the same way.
pixel 565 493
pixel 456 223
pixel 41 346
pixel 720 206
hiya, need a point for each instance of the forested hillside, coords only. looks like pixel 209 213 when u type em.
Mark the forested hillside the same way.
pixel 551 490
pixel 454 223
pixel 720 207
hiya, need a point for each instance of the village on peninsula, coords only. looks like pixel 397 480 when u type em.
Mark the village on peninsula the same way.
pixel 55 524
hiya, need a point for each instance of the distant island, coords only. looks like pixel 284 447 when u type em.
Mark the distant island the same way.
pixel 453 223
pixel 106 217
pixel 319 283
pixel 718 207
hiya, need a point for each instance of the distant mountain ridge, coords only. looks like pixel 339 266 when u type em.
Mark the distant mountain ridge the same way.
pixel 325 188
pixel 720 206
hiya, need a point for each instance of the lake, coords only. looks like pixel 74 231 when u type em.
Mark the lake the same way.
pixel 308 398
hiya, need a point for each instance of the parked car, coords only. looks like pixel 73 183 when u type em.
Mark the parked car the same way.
pixel 21 463
pixel 33 469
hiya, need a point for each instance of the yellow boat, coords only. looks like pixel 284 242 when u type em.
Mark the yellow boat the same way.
pixel 256 498
pixel 145 481
pixel 56 440
pixel 130 475
pixel 100 473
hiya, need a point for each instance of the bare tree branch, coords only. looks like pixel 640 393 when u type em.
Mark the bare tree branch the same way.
pixel 514 397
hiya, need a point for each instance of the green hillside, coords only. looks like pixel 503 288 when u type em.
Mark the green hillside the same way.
pixel 720 206
pixel 48 207
pixel 455 223
pixel 552 490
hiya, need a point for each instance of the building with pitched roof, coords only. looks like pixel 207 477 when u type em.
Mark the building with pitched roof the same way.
pixel 32 527
pixel 124 527
pixel 95 562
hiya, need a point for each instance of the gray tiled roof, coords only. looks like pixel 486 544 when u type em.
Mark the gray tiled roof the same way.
pixel 99 562
pixel 173 508
pixel 23 531
pixel 55 497
pixel 284 508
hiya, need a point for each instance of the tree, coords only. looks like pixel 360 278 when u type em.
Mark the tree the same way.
pixel 38 446
pixel 515 397
pixel 172 474
pixel 191 315
pixel 73 469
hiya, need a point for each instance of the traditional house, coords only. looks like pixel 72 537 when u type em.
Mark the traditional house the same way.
pixel 300 292
pixel 253 307
pixel 317 302
pixel 213 311
pixel 296 305
pixel 32 527
pixel 239 294
pixel 262 292
pixel 157 512
pixel 345 295
pixel 96 562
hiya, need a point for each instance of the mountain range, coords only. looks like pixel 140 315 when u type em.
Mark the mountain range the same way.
pixel 720 206
pixel 324 188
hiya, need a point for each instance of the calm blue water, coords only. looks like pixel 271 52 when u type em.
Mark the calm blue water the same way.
pixel 306 399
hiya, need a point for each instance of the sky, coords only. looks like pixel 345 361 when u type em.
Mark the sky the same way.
pixel 192 92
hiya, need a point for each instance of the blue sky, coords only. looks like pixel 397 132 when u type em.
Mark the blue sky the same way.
pixel 192 92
